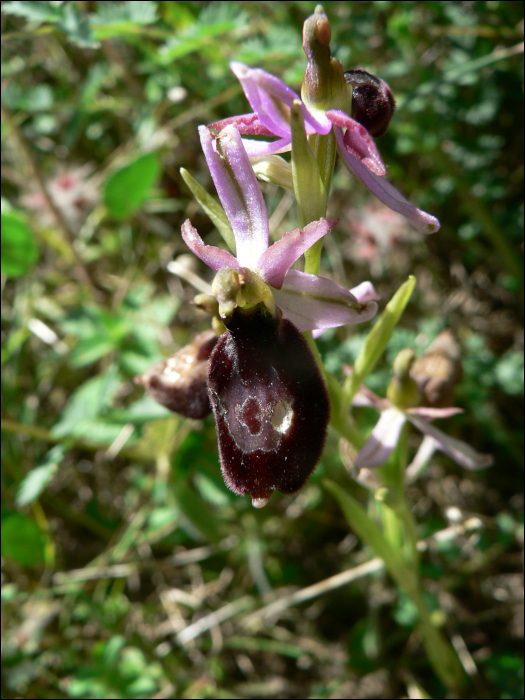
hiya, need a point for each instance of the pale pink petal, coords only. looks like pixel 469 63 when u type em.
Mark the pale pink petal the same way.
pixel 266 148
pixel 430 413
pixel 366 397
pixel 457 450
pixel 383 439
pixel 365 292
pixel 422 458
pixel 262 90
pixel 238 191
pixel 386 192
pixel 211 255
pixel 311 302
pixel 271 99
pixel 357 141
pixel 275 262
pixel 251 124
pixel 246 123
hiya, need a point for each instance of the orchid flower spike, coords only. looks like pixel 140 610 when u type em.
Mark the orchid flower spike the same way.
pixel 326 106
pixel 259 273
pixel 268 397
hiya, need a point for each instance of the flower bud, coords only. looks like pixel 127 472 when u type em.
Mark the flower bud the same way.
pixel 438 370
pixel 372 101
pixel 273 169
pixel 324 83
pixel 226 288
pixel 238 288
pixel 179 382
pixel 270 404
pixel 402 390
pixel 206 302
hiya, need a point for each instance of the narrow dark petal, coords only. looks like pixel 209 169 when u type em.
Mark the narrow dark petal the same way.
pixel 384 191
pixel 270 405
pixel 357 141
pixel 372 101
pixel 456 449
pixel 179 382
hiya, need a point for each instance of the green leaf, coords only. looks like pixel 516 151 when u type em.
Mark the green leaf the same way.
pixel 212 207
pixel 112 19
pixel 142 411
pixel 158 312
pixel 67 16
pixel 39 98
pixel 505 671
pixel 112 650
pixel 36 481
pixel 378 338
pixel 14 341
pixel 405 611
pixel 19 251
pixel 34 11
pixel 22 540
pixel 197 511
pixel 215 19
pixel 367 530
pixel 509 372
pixel 87 403
pixel 134 363
pixel 101 430
pixel 76 26
pixel 115 325
pixel 82 322
pixel 91 349
pixel 160 518
pixel 210 491
pixel 127 189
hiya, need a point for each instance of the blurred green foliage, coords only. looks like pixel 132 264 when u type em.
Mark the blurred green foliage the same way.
pixel 117 531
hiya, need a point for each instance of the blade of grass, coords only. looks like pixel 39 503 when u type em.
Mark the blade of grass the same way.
pixel 212 207
pixel 376 341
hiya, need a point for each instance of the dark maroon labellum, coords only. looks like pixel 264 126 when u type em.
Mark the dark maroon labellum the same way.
pixel 372 101
pixel 179 381
pixel 270 405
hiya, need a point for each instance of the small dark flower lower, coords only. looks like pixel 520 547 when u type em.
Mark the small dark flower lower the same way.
pixel 179 381
pixel 372 101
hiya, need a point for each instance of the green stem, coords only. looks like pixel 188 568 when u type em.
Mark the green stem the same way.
pixel 37 433
pixel 398 524
pixel 400 531
pixel 324 150
pixel 342 423
pixel 312 258
pixel 396 506
pixel 403 511
pixel 440 652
